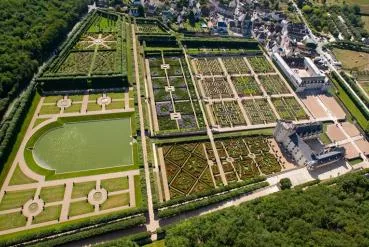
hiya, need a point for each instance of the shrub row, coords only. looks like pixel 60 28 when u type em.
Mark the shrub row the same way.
pixel 76 226
pixel 141 239
pixel 173 211
pixel 307 184
pixel 213 191
pixel 356 88
pixel 220 43
pixel 12 123
pixel 350 94
pixel 121 225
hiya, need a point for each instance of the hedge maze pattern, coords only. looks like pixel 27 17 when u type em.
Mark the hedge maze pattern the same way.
pixel 192 167
pixel 99 50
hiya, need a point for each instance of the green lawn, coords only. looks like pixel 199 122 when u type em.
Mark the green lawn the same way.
pixel 73 108
pixel 82 189
pixel 48 214
pixel 116 95
pixel 85 145
pixel 92 106
pixel 116 201
pixel 94 96
pixel 39 120
pixel 19 177
pixel 76 97
pixel 13 220
pixel 355 161
pixel 115 105
pixel 52 99
pixel 350 105
pixel 49 109
pixel 52 194
pixel 82 207
pixel 16 199
pixel 115 184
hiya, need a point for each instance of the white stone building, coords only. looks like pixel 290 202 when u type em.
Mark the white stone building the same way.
pixel 302 73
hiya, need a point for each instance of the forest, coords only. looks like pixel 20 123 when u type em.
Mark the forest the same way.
pixel 30 30
pixel 335 214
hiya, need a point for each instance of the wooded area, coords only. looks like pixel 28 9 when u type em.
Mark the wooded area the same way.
pixel 324 215
pixel 30 31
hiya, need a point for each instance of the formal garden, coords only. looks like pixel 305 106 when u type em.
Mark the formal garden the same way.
pixel 191 167
pixel 235 65
pixel 227 114
pixel 273 84
pixel 208 66
pixel 259 111
pixel 216 88
pixel 289 109
pixel 246 86
pixel 260 64
pixel 176 104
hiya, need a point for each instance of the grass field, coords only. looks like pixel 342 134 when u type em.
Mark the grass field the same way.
pixel 350 105
pixel 20 178
pixel 48 214
pixel 16 199
pixel 81 207
pixel 352 60
pixel 52 194
pixel 82 189
pixel 116 201
pixel 115 184
pixel 12 220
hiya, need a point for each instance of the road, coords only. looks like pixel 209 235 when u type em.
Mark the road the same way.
pixel 152 224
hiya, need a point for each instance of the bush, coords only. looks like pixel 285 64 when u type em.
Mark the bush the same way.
pixel 285 183
pixel 178 209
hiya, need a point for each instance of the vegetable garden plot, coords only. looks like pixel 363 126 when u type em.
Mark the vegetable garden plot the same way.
pixel 246 86
pixel 260 64
pixel 157 71
pixel 172 61
pixel 177 81
pixel 259 111
pixel 235 65
pixel 165 123
pixel 273 84
pixel 164 108
pixel 228 114
pixel 216 88
pixel 208 66
pixel 161 95
pixel 187 169
pixel 174 71
pixel 159 82
pixel 289 108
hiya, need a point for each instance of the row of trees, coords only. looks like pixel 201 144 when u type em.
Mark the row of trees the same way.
pixel 29 31
pixel 323 215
